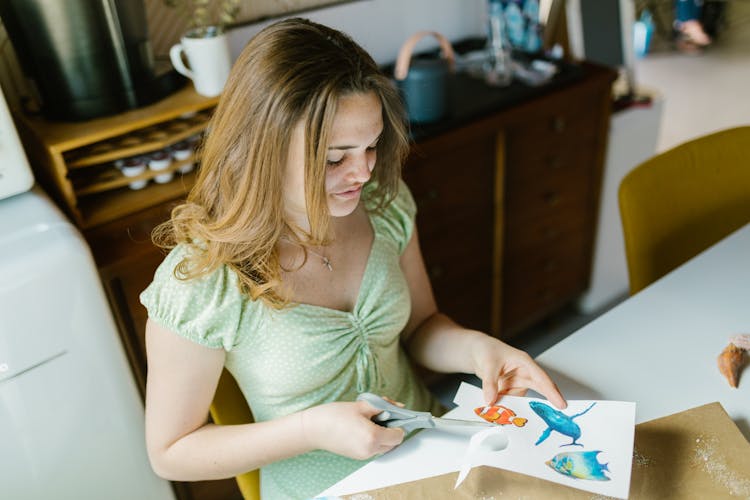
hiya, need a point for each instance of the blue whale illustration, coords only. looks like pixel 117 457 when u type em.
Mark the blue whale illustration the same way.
pixel 558 421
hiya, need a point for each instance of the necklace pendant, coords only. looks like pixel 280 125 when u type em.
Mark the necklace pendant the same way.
pixel 327 263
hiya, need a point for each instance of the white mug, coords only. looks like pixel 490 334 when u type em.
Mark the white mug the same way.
pixel 207 53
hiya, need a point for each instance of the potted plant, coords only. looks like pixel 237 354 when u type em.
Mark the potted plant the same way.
pixel 205 13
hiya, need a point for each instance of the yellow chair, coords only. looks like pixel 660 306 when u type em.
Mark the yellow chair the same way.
pixel 682 201
pixel 229 407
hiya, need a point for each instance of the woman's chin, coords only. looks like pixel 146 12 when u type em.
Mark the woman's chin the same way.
pixel 341 207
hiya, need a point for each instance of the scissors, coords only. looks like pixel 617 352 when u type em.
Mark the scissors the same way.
pixel 409 420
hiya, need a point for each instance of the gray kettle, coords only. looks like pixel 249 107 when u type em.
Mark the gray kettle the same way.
pixel 422 82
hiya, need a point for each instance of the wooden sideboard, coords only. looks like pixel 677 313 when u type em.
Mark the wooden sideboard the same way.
pixel 507 188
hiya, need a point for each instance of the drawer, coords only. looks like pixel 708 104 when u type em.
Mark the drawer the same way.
pixel 549 232
pixel 567 113
pixel 533 304
pixel 464 296
pixel 540 264
pixel 553 131
pixel 461 226
pixel 461 275
pixel 458 180
pixel 527 163
pixel 546 198
pixel 531 296
pixel 462 247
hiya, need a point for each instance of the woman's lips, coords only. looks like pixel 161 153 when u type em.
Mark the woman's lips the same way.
pixel 352 193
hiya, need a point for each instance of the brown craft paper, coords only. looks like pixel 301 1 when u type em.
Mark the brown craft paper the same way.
pixel 696 454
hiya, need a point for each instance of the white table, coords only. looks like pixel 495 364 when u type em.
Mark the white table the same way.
pixel 658 348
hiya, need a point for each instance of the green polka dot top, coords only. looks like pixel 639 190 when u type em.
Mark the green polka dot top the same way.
pixel 304 355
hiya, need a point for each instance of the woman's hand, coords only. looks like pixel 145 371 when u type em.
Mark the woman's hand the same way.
pixel 506 370
pixel 347 429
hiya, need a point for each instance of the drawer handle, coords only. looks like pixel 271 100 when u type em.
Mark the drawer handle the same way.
pixel 546 295
pixel 436 272
pixel 550 266
pixel 559 124
pixel 554 162
pixel 429 197
pixel 552 199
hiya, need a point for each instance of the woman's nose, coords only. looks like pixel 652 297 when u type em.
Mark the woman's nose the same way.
pixel 362 168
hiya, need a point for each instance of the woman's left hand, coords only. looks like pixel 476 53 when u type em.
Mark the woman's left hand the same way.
pixel 506 370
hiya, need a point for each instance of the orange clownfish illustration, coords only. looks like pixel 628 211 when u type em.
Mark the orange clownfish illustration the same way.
pixel 500 415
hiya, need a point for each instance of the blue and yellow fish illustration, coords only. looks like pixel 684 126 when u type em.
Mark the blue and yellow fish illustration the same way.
pixel 579 464
pixel 558 421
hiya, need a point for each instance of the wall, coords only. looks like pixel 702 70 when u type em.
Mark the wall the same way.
pixel 168 23
pixel 380 26
pixel 12 80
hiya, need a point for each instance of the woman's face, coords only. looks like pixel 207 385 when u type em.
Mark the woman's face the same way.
pixel 351 157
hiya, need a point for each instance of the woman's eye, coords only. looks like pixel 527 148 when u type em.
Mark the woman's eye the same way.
pixel 335 163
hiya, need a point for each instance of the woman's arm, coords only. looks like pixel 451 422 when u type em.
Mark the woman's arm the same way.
pixel 182 446
pixel 436 342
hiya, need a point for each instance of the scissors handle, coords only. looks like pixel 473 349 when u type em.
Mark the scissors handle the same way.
pixel 395 416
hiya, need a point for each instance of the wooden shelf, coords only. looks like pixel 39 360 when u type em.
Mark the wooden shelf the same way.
pixel 74 161
pixel 64 136
pixel 113 178
pixel 108 206
pixel 137 149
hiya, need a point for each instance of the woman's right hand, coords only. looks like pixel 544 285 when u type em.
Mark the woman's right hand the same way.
pixel 347 429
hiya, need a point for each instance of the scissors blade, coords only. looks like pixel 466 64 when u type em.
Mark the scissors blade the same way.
pixel 449 423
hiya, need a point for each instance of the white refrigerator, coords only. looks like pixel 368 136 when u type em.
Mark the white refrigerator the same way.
pixel 71 418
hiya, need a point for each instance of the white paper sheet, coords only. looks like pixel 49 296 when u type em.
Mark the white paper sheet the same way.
pixel 608 426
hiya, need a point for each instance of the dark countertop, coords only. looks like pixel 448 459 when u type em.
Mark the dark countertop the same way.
pixel 469 98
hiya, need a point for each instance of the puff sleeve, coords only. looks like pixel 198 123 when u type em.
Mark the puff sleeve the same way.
pixel 205 310
pixel 398 218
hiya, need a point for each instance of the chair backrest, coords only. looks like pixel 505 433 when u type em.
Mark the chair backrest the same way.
pixel 682 201
pixel 229 407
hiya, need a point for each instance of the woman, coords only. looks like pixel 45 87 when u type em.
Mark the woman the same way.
pixel 296 264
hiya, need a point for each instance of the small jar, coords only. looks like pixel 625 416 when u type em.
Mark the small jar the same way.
pixel 133 167
pixel 158 161
pixel 180 152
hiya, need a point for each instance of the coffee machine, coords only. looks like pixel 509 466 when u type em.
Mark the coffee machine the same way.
pixel 86 58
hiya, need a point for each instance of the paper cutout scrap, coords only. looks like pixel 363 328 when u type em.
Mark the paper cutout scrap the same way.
pixel 492 440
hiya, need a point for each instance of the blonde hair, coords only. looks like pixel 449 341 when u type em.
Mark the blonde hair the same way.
pixel 292 70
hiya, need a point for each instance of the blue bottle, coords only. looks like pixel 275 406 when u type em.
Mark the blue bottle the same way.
pixel 498 68
pixel 515 23
pixel 533 39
